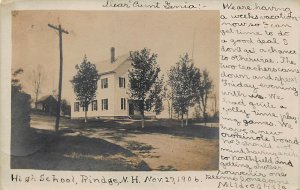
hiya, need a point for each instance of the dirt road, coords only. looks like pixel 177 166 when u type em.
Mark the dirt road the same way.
pixel 159 150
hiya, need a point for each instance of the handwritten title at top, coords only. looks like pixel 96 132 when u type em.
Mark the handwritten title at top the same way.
pixel 152 5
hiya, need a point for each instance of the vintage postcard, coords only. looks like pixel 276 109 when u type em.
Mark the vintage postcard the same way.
pixel 137 90
pixel 149 95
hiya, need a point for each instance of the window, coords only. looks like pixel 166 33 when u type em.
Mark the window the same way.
pixel 123 104
pixel 94 105
pixel 121 82
pixel 76 106
pixel 104 104
pixel 104 83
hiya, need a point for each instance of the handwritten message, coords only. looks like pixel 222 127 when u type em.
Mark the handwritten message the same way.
pixel 259 96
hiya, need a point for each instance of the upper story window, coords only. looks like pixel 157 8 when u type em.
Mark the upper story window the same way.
pixel 104 83
pixel 121 82
pixel 94 105
pixel 76 106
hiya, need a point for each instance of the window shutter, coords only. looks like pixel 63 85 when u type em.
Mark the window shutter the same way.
pixel 121 103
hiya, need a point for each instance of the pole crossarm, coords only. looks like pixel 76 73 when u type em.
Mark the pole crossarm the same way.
pixel 58 28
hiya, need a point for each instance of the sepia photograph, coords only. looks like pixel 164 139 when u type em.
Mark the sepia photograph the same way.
pixel 115 90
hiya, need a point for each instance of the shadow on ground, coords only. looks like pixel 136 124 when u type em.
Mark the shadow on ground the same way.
pixel 65 152
pixel 123 128
pixel 120 128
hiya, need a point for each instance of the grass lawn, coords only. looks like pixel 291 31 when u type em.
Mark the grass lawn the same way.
pixel 116 145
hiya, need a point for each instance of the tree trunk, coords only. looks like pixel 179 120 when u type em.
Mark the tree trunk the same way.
pixel 37 89
pixel 36 100
pixel 182 120
pixel 204 114
pixel 142 110
pixel 85 116
pixel 187 118
pixel 171 112
pixel 143 121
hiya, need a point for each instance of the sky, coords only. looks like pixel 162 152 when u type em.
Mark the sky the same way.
pixel 92 33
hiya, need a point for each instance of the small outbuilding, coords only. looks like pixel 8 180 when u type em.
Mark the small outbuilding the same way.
pixel 48 104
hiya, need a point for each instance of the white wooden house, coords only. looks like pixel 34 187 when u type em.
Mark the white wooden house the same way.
pixel 112 99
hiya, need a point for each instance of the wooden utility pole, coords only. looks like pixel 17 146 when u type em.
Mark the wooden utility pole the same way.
pixel 60 31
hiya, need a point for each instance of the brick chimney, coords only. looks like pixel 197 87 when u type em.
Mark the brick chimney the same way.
pixel 112 55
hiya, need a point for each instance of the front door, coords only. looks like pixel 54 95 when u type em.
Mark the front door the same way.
pixel 131 108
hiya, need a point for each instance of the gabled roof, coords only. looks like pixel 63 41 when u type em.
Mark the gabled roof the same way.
pixel 44 98
pixel 119 65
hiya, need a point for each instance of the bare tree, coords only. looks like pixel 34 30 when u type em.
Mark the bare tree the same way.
pixel 37 86
pixel 203 91
pixel 37 76
pixel 169 97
